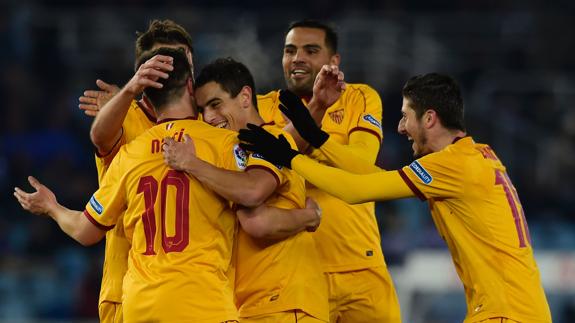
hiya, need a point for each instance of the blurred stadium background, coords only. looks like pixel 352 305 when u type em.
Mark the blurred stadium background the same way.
pixel 512 57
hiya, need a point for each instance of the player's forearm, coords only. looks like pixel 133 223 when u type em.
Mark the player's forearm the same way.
pixel 316 110
pixel 73 223
pixel 273 223
pixel 239 187
pixel 352 188
pixel 358 157
pixel 107 126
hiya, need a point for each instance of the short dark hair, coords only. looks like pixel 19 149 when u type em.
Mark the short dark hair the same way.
pixel 330 34
pixel 173 85
pixel 163 32
pixel 231 75
pixel 440 93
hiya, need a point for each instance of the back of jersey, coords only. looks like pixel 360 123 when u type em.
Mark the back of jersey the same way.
pixel 181 232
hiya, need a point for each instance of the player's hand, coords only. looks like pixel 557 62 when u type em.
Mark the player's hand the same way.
pixel 312 204
pixel 328 86
pixel 275 150
pixel 93 100
pixel 149 73
pixel 179 155
pixel 301 119
pixel 40 202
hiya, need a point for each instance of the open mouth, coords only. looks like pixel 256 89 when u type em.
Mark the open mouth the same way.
pixel 298 73
pixel 220 124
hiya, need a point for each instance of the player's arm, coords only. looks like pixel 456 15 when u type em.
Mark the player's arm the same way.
pixel 107 126
pixel 359 154
pixel 250 188
pixel 352 188
pixel 271 223
pixel 72 222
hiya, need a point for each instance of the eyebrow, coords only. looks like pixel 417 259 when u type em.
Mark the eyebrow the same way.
pixel 210 101
pixel 307 46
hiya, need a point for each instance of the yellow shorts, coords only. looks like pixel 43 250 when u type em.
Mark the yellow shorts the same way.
pixel 293 316
pixel 498 320
pixel 363 296
pixel 110 312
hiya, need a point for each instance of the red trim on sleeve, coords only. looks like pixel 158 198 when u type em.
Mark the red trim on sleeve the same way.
pixel 113 147
pixel 94 222
pixel 266 169
pixel 373 132
pixel 412 186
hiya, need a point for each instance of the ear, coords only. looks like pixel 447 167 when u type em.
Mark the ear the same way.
pixel 246 96
pixel 190 86
pixel 430 118
pixel 335 59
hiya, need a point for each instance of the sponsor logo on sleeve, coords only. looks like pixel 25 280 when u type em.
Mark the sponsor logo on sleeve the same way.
pixel 241 157
pixel 421 172
pixel 96 205
pixel 369 118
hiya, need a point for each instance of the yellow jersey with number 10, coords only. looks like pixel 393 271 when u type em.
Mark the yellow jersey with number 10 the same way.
pixel 181 232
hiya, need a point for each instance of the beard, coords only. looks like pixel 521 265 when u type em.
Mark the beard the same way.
pixel 421 143
pixel 302 88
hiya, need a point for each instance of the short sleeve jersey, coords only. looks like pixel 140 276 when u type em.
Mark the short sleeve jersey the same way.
pixel 280 276
pixel 477 211
pixel 181 232
pixel 358 246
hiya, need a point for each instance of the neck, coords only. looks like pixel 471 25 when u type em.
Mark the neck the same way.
pixel 179 109
pixel 444 138
pixel 254 118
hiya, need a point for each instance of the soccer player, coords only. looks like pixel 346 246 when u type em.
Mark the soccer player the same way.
pixel 360 287
pixel 473 203
pixel 278 276
pixel 120 118
pixel 181 233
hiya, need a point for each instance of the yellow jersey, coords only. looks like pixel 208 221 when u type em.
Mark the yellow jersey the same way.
pixel 138 119
pixel 477 211
pixel 358 246
pixel 279 276
pixel 181 233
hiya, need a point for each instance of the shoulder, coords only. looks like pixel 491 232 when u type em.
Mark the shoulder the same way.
pixel 268 99
pixel 359 89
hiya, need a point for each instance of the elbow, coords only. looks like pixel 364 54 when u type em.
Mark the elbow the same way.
pixel 253 198
pixel 97 139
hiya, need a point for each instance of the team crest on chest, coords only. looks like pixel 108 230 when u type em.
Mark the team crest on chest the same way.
pixel 336 116
pixel 169 125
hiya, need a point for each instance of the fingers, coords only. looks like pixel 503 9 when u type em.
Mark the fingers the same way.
pixel 247 147
pixel 290 99
pixel 22 197
pixel 34 182
pixel 91 113
pixel 110 88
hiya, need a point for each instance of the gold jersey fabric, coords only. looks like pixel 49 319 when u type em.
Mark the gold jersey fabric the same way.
pixel 181 233
pixel 477 211
pixel 348 237
pixel 272 276
pixel 138 119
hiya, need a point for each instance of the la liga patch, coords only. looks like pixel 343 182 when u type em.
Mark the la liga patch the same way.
pixel 241 157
